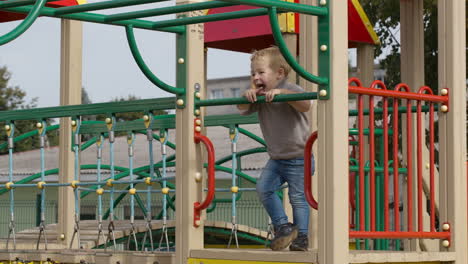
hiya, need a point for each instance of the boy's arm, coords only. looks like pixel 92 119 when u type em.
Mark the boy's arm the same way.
pixel 300 106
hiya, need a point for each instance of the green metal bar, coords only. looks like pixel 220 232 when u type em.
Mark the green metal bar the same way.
pixel 120 198
pixel 260 99
pixel 285 6
pixel 144 68
pixel 357 209
pixel 15 3
pixel 367 207
pixel 135 125
pixel 252 136
pixel 167 10
pixel 24 25
pixel 278 36
pixel 102 5
pixel 378 169
pixel 144 105
pixel 97 18
pixel 227 120
pixel 238 173
pixel 210 18
pixel 181 68
pixel 241 154
pixel 377 132
pixel 324 54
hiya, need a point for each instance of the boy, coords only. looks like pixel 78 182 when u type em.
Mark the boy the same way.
pixel 285 128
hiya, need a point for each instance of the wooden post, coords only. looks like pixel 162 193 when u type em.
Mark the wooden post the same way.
pixel 452 125
pixel 308 59
pixel 412 73
pixel 333 132
pixel 189 160
pixel 70 94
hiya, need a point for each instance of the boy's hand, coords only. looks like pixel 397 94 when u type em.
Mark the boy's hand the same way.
pixel 251 95
pixel 270 95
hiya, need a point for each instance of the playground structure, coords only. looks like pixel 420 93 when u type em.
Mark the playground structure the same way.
pixel 334 229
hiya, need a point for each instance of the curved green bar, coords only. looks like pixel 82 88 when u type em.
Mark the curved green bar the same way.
pixel 31 178
pixel 27 22
pixel 275 28
pixel 252 136
pixel 240 154
pixel 144 68
pixel 238 173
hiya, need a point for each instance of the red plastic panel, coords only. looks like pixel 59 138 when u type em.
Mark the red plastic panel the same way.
pixel 8 16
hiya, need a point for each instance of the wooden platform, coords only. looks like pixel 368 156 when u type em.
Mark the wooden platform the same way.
pixel 27 239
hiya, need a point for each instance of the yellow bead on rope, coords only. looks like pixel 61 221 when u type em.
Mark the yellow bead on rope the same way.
pixel 165 190
pixel 74 185
pixel 148 181
pixel 8 185
pixel 100 191
pixel 234 189
pixel 40 185
pixel 110 182
pixel 132 191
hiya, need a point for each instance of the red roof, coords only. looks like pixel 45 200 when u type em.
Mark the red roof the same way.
pixel 8 16
pixel 253 33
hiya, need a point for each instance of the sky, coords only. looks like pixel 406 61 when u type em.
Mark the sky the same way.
pixel 109 70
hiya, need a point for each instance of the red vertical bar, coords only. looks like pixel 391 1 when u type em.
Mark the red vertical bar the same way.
pixel 409 154
pixel 385 138
pixel 372 164
pixel 420 165
pixel 431 164
pixel 361 162
pixel 396 193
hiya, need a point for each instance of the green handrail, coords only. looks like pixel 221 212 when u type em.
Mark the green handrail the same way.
pixel 260 99
pixel 143 105
pixel 144 68
pixel 278 36
pixel 166 10
pixel 97 18
pixel 101 5
pixel 15 3
pixel 23 26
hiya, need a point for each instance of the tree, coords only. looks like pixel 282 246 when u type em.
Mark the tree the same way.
pixel 13 98
pixel 386 16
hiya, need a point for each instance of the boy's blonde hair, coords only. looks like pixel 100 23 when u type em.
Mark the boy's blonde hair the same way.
pixel 277 60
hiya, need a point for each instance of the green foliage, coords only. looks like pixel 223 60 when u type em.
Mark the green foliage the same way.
pixel 11 98
pixel 386 16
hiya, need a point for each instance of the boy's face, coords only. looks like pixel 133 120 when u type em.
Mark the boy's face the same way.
pixel 263 76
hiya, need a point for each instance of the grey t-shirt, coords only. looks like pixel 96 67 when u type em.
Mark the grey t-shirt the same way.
pixel 284 129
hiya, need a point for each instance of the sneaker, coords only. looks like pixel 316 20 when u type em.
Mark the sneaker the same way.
pixel 284 235
pixel 301 243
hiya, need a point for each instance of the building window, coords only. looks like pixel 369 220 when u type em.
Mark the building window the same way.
pixel 217 93
pixel 235 92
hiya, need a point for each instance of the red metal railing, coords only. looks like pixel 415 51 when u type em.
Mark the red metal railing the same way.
pixel 198 207
pixel 402 91
pixel 307 170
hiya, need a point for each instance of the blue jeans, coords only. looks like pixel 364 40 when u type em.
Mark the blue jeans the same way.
pixel 274 175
